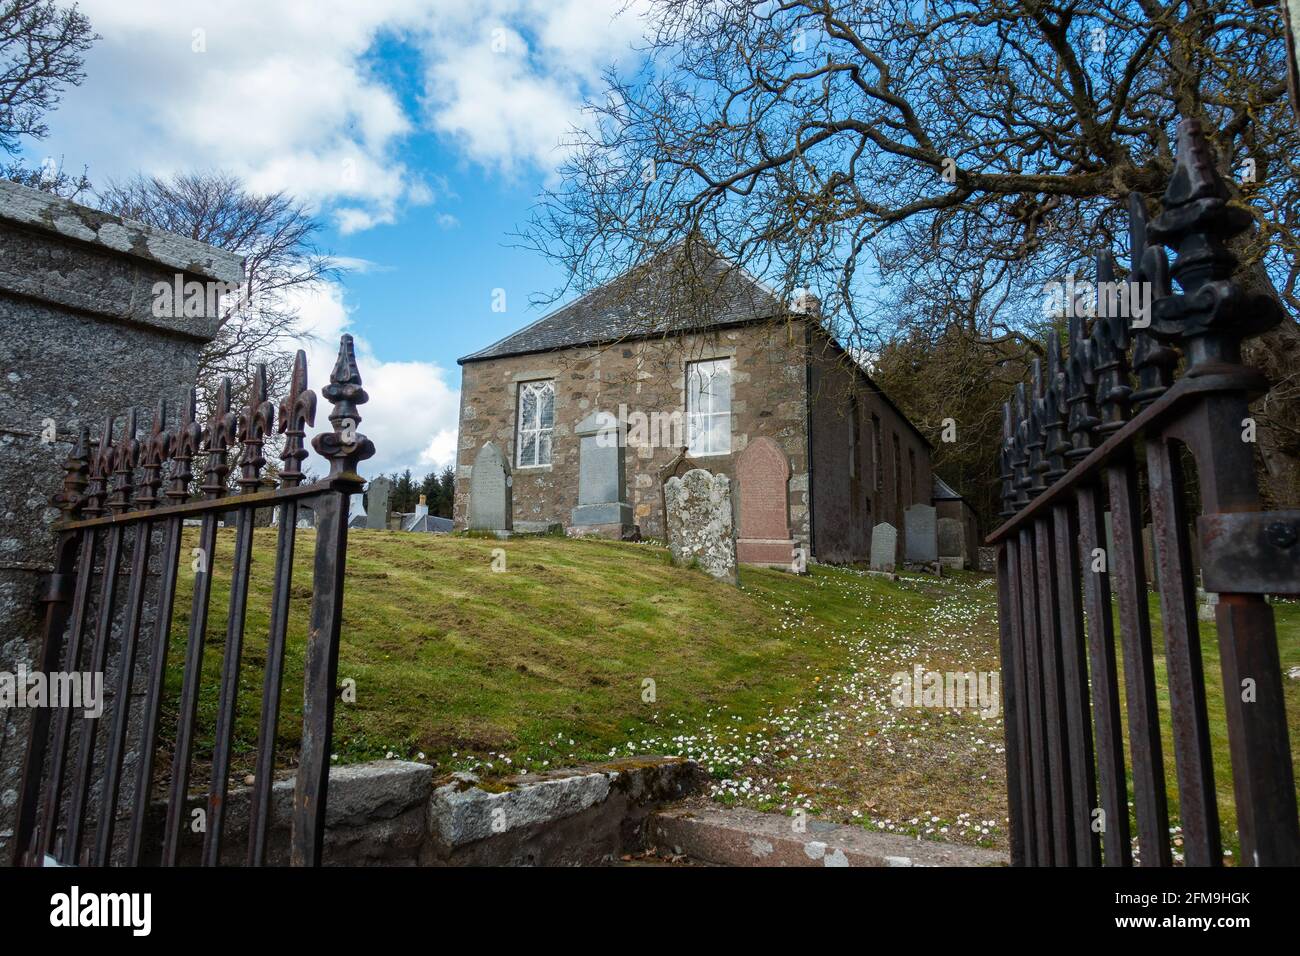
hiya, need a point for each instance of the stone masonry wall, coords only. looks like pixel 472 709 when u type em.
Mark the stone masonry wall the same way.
pixel 768 398
pixel 81 340
pixel 850 500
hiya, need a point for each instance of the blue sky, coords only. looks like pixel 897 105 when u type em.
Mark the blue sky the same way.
pixel 419 132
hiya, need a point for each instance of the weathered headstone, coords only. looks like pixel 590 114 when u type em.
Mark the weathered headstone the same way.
pixel 491 506
pixel 920 536
pixel 884 547
pixel 380 495
pixel 1152 566
pixel 601 483
pixel 762 479
pixel 700 529
pixel 952 543
pixel 679 465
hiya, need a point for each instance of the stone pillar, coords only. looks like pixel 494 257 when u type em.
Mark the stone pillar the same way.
pixel 92 328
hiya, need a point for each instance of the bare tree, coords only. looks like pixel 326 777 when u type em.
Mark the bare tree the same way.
pixel 931 165
pixel 276 236
pixel 41 47
pixel 273 232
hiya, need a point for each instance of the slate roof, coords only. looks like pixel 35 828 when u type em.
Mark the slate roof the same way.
pixel 943 491
pixel 672 293
pixel 426 522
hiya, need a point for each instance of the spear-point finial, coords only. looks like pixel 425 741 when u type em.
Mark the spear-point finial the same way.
pixel 76 470
pixel 1007 471
pixel 297 411
pixel 188 438
pixel 153 453
pixel 1020 447
pixel 101 468
pixel 1081 384
pixel 254 423
pixel 1153 363
pixel 217 439
pixel 345 447
pixel 1058 442
pixel 1213 314
pixel 1110 338
pixel 125 455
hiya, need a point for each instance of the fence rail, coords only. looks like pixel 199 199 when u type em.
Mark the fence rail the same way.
pixel 1135 397
pixel 113 500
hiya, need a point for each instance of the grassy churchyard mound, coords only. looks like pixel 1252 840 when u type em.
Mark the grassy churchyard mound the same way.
pixel 784 689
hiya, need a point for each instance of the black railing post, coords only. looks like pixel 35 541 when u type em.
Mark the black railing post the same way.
pixel 345 448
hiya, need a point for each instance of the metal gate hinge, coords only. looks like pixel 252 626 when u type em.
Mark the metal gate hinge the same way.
pixel 1250 552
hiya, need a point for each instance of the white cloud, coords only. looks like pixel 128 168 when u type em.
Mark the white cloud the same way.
pixel 280 94
pixel 413 409
pixel 286 94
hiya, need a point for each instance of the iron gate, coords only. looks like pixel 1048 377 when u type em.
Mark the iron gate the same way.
pixel 1126 401
pixel 111 505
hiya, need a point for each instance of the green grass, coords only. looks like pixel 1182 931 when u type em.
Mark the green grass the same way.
pixel 450 657
pixel 779 688
pixel 1287 617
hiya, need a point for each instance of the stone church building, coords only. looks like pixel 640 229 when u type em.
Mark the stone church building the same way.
pixel 691 351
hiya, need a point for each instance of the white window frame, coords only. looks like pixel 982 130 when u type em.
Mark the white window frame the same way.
pixel 708 416
pixel 542 389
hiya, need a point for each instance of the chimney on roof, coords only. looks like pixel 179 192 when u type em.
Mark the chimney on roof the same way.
pixel 804 302
pixel 422 508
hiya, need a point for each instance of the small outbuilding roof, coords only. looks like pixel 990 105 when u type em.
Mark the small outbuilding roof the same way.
pixel 943 491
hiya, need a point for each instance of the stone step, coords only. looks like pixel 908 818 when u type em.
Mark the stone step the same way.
pixel 708 833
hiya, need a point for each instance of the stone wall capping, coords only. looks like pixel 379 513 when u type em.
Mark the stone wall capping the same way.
pixel 34 209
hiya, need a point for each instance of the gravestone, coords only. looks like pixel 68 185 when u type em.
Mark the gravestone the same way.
pixel 1152 566
pixel 601 509
pixel 762 479
pixel 884 547
pixel 490 483
pixel 380 495
pixel 679 465
pixel 920 536
pixel 700 529
pixel 952 543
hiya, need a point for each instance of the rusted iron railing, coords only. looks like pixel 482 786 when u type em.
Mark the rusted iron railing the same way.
pixel 113 494
pixel 1076 446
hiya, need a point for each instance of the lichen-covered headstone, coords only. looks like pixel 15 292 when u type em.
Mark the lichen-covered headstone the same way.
pixel 490 502
pixel 884 547
pixel 700 530
pixel 920 536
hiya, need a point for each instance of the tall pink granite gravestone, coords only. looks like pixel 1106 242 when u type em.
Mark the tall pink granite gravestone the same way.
pixel 763 474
